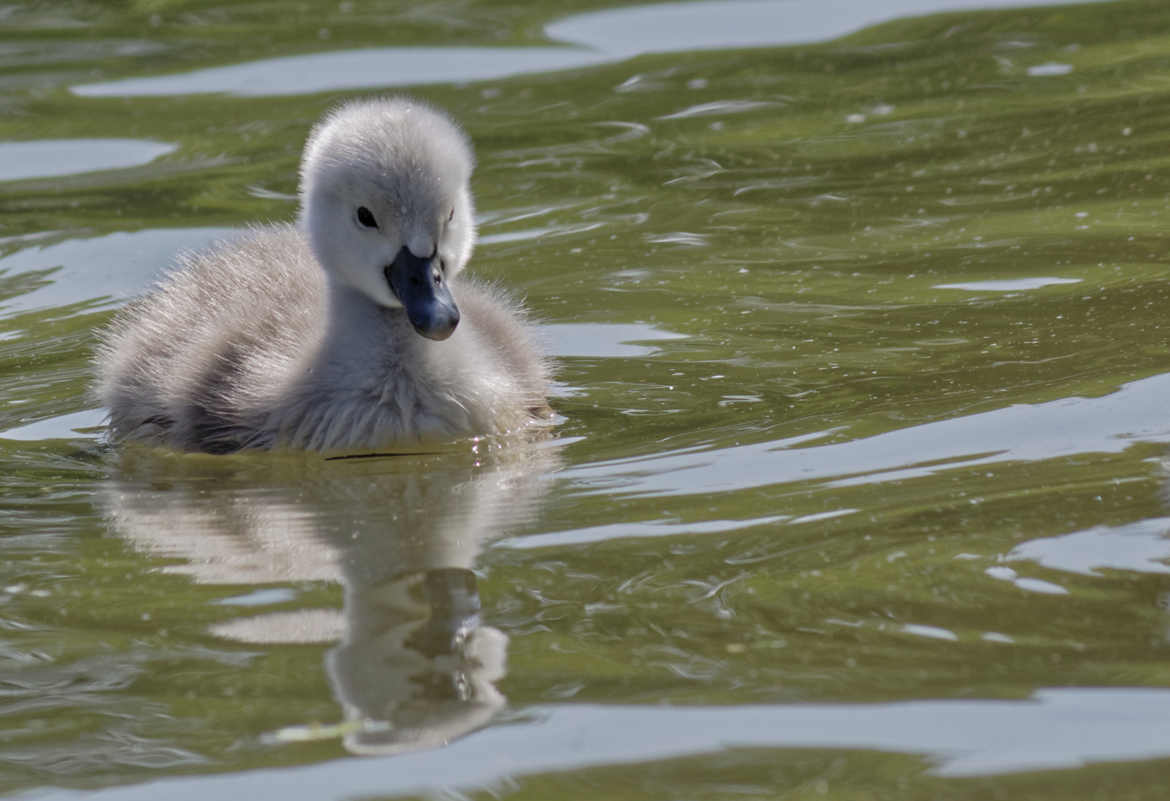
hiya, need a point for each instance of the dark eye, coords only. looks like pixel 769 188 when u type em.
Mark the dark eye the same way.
pixel 451 216
pixel 366 218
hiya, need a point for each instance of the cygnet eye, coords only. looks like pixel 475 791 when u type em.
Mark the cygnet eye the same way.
pixel 366 218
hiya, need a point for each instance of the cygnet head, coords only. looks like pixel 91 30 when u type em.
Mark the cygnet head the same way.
pixel 387 207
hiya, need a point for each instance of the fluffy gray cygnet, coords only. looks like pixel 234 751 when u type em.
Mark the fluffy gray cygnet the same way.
pixel 350 330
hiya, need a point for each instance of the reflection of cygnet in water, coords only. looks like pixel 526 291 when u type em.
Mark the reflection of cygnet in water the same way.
pixel 430 673
pixel 415 667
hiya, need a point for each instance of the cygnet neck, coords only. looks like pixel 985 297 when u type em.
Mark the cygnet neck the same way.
pixel 353 315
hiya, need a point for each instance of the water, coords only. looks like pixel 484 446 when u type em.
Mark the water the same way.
pixel 598 37
pixel 41 158
pixel 858 486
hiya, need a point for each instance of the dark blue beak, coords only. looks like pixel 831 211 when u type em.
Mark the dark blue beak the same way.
pixel 421 287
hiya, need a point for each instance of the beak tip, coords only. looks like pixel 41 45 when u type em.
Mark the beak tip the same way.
pixel 428 303
pixel 438 334
pixel 438 322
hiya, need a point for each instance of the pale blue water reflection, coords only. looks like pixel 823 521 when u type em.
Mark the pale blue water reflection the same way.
pixel 599 37
pixel 1141 547
pixel 602 340
pixel 1054 728
pixel 716 24
pixel 76 425
pixel 116 266
pixel 352 69
pixel 43 158
pixel 1009 284
pixel 1019 433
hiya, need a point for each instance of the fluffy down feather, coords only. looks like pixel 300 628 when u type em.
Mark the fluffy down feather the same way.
pixel 291 336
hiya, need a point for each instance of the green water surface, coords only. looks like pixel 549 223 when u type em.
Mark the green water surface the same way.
pixel 861 365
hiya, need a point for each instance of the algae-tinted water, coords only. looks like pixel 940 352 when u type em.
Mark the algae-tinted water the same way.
pixel 858 491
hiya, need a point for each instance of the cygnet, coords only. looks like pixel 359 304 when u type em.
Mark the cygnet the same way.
pixel 351 329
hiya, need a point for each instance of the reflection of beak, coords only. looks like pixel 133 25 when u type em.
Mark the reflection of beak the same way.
pixel 420 286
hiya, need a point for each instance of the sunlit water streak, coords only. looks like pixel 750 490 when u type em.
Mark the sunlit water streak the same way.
pixel 1009 285
pixel 1056 728
pixel 1021 432
pixel 114 267
pixel 599 37
pixel 41 158
pixel 1140 547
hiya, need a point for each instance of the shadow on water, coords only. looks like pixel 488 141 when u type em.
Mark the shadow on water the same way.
pixel 414 666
